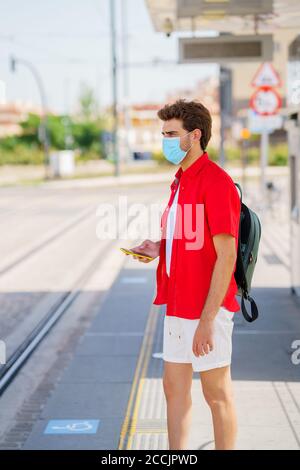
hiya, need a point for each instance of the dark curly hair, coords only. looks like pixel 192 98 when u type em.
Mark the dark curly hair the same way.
pixel 193 114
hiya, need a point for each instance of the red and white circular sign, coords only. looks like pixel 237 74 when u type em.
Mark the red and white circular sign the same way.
pixel 265 101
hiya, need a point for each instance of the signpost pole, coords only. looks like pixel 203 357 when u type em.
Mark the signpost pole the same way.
pixel 264 150
pixel 244 165
pixel 245 135
pixel 266 102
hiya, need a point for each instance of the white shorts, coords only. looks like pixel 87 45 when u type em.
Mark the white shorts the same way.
pixel 178 341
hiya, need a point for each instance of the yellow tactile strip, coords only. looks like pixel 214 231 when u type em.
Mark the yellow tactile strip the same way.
pixel 144 425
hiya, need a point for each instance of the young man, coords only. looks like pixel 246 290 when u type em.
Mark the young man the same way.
pixel 195 275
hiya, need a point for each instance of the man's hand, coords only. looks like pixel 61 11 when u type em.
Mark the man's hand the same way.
pixel 203 341
pixel 147 247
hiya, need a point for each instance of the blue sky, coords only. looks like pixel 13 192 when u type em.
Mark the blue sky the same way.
pixel 69 43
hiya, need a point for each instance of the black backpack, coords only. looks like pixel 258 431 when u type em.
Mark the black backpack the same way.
pixel 248 244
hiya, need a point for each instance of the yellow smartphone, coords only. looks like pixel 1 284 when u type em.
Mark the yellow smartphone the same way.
pixel 139 255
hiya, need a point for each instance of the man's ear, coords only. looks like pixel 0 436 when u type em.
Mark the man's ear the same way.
pixel 198 135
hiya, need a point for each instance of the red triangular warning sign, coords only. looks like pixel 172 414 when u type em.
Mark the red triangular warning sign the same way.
pixel 266 76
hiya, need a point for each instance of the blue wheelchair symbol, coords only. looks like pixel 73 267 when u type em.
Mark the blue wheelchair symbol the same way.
pixel 74 426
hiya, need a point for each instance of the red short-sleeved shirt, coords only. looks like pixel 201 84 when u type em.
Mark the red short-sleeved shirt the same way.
pixel 208 204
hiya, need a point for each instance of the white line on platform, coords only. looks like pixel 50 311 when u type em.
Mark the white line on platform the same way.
pixel 133 280
pixel 125 333
pixel 266 332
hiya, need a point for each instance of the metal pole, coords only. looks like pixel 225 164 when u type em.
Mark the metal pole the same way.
pixel 225 100
pixel 244 164
pixel 114 88
pixel 222 139
pixel 126 78
pixel 44 121
pixel 264 148
pixel 222 124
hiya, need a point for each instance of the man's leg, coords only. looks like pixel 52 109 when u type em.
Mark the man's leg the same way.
pixel 218 393
pixel 177 382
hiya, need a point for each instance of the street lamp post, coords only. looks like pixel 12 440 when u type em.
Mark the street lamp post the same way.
pixel 114 88
pixel 44 122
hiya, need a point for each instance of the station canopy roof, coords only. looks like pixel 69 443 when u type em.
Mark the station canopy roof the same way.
pixel 232 16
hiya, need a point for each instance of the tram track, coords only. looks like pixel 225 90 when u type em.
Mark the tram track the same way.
pixel 22 353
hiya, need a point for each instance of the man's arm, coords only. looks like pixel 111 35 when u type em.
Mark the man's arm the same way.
pixel 226 255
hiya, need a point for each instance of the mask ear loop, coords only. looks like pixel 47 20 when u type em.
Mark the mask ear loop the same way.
pixel 186 152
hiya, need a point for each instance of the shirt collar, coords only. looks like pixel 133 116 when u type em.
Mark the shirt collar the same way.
pixel 192 170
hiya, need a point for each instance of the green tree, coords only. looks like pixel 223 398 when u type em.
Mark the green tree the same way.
pixel 88 105
pixel 87 135
pixel 82 132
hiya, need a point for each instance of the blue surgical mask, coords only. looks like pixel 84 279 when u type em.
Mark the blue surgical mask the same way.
pixel 172 150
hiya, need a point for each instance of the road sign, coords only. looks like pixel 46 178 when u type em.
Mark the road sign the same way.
pixel 265 102
pixel 266 76
pixel 258 124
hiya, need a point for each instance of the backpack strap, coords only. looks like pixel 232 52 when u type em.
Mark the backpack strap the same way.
pixel 240 190
pixel 243 280
pixel 254 309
